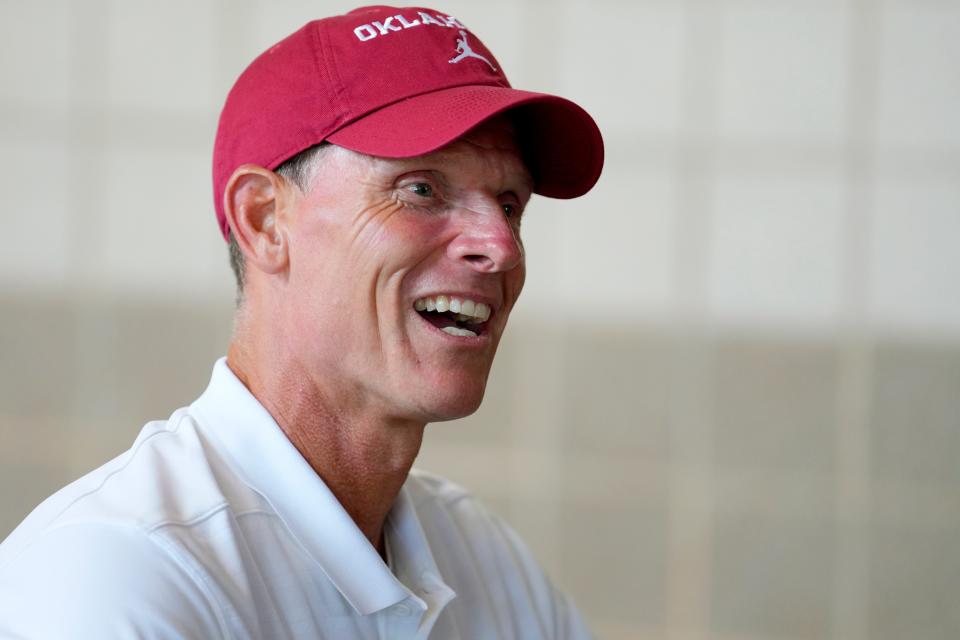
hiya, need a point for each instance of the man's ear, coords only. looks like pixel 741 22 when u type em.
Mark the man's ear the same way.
pixel 253 202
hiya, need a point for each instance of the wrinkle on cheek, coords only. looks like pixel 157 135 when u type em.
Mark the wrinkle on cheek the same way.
pixel 370 223
pixel 389 288
pixel 367 229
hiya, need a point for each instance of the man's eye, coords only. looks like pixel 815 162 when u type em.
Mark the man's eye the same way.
pixel 421 189
pixel 511 210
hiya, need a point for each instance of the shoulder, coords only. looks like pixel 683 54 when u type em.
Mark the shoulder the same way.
pixel 487 561
pixel 171 474
pixel 101 547
pixel 450 511
pixel 103 581
pixel 441 503
pixel 425 486
pixel 447 510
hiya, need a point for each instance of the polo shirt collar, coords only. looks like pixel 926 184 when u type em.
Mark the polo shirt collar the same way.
pixel 273 467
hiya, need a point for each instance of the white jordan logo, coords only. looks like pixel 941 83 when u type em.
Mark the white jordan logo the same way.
pixel 463 48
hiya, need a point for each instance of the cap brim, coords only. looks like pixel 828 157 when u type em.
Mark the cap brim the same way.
pixel 560 142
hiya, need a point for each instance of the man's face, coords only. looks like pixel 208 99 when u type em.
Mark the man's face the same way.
pixel 381 249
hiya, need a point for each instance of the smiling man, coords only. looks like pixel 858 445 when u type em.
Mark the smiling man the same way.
pixel 371 173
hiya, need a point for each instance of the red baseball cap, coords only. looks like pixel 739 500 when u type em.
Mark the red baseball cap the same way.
pixel 396 83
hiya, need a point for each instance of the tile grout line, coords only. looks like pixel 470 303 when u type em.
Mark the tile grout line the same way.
pixel 852 502
pixel 691 499
pixel 87 136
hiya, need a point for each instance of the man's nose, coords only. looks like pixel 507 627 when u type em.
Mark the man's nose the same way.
pixel 488 241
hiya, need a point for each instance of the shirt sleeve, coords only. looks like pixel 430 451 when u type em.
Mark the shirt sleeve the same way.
pixel 101 581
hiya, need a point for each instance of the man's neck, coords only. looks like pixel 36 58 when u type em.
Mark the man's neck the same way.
pixel 363 458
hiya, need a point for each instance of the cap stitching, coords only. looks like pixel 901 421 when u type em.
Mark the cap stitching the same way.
pixel 320 52
pixel 332 70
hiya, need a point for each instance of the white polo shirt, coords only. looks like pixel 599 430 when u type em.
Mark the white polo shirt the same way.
pixel 213 526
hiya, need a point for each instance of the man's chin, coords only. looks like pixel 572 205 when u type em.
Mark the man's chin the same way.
pixel 445 402
pixel 452 414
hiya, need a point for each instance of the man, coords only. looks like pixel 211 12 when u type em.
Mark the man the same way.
pixel 371 184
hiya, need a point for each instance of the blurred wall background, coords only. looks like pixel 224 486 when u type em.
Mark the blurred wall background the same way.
pixel 729 404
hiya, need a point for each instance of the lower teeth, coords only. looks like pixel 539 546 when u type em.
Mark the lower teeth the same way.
pixel 457 331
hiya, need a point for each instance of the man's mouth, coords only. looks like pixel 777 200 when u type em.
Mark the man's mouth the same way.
pixel 453 315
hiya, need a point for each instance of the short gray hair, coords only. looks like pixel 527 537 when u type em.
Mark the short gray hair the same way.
pixel 300 170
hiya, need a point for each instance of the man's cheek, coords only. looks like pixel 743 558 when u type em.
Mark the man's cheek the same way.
pixel 375 222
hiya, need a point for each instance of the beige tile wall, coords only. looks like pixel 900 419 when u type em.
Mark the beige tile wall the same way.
pixel 728 406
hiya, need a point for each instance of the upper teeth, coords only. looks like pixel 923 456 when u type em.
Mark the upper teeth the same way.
pixel 466 310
